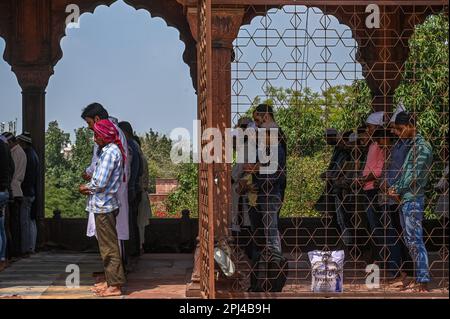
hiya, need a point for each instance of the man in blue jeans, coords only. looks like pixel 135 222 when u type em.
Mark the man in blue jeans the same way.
pixel 5 180
pixel 409 190
pixel 268 177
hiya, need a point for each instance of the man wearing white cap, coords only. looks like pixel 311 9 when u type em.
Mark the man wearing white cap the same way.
pixel 374 121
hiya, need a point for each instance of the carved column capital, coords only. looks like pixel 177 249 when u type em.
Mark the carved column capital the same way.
pixel 225 24
pixel 33 77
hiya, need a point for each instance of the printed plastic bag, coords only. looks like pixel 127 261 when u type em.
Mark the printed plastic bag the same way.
pixel 327 270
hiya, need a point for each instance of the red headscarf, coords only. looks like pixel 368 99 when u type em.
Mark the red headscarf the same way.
pixel 106 130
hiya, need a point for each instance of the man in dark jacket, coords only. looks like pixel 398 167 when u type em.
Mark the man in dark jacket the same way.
pixel 134 188
pixel 29 184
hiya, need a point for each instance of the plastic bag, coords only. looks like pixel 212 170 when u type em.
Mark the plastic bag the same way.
pixel 327 270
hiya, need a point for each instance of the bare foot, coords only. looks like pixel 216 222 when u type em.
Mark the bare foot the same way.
pixel 416 287
pixel 423 287
pixel 98 287
pixel 112 291
pixel 398 281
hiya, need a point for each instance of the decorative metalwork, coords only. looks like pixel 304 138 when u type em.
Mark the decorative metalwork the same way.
pixel 305 62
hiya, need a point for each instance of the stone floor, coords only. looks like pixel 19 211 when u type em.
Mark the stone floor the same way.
pixel 43 276
pixel 161 276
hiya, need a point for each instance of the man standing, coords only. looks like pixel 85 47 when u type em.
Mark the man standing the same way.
pixel 104 204
pixel 409 190
pixel 20 165
pixel 92 114
pixel 5 182
pixel 29 184
pixel 391 208
pixel 134 188
pixel 269 180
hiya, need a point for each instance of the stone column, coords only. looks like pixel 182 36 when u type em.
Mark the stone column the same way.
pixel 33 81
pixel 225 23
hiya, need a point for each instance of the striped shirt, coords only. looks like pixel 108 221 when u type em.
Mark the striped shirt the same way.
pixel 105 181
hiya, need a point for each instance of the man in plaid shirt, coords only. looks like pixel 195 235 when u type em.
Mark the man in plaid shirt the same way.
pixel 104 204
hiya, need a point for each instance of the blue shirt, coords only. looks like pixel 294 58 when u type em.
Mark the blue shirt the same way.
pixel 105 182
pixel 398 155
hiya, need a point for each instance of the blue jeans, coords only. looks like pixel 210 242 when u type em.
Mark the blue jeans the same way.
pixel 4 196
pixel 384 235
pixel 2 237
pixel 342 222
pixel 411 219
pixel 268 211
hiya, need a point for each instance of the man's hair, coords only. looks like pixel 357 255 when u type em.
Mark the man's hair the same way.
pixel 382 133
pixel 93 110
pixel 264 108
pixel 126 128
pixel 361 129
pixel 137 139
pixel 405 118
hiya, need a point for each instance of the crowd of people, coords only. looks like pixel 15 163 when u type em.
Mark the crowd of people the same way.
pixel 378 173
pixel 19 169
pixel 116 185
pixel 382 170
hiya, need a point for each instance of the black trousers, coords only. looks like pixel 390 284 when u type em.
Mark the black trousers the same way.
pixel 133 245
pixel 15 241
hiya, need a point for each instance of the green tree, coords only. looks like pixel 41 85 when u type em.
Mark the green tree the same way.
pixel 424 89
pixel 156 148
pixel 55 140
pixel 186 195
pixel 63 174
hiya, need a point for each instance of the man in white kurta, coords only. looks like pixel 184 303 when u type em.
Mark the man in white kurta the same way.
pixel 122 218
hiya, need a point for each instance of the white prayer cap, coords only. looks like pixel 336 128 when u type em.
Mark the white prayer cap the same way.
pixel 353 137
pixel 400 108
pixel 376 118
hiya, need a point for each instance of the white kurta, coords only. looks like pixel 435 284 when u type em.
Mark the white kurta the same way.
pixel 123 232
pixel 20 166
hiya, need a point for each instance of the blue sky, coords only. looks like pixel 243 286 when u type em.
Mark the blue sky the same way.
pixel 132 64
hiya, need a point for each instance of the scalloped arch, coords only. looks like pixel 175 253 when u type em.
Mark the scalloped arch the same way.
pixel 168 10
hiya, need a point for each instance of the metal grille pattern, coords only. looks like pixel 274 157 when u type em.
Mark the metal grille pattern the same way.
pixel 302 61
pixel 205 171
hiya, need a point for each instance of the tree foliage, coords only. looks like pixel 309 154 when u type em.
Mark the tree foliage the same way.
pixel 424 89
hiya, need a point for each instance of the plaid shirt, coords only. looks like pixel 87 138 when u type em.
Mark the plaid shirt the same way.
pixel 105 181
pixel 416 169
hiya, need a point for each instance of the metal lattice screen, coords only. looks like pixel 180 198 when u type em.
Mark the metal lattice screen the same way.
pixel 306 65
